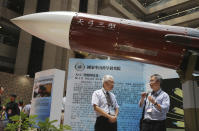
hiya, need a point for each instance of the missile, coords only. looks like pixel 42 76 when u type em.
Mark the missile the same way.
pixel 161 45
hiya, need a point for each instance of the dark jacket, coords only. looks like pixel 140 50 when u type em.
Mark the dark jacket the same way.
pixel 0 104
pixel 13 106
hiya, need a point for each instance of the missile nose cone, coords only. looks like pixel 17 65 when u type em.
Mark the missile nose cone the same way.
pixel 14 20
pixel 52 27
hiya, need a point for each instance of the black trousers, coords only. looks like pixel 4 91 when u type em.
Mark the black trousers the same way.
pixel 103 124
pixel 153 125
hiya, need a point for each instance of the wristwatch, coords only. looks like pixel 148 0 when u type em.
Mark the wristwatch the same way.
pixel 155 104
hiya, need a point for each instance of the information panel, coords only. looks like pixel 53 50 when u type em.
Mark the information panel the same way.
pixel 85 76
pixel 47 95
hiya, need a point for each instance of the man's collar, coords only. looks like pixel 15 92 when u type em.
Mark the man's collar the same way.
pixel 105 91
pixel 156 93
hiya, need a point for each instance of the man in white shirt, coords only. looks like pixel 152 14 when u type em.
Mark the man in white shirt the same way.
pixel 105 106
pixel 27 108
pixel 156 106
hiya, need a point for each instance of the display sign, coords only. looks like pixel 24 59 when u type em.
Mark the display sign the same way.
pixel 85 76
pixel 47 95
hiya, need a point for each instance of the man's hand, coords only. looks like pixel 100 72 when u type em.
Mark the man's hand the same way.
pixel 9 111
pixel 4 108
pixel 112 119
pixel 143 94
pixel 150 98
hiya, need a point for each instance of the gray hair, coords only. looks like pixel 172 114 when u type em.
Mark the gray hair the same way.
pixel 158 77
pixel 107 78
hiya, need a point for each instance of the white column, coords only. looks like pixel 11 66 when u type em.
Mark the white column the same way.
pixel 191 105
pixel 25 40
pixel 92 6
pixel 53 55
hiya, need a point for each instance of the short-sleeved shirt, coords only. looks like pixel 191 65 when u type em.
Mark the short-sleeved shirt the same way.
pixel 27 109
pixel 63 103
pixel 99 99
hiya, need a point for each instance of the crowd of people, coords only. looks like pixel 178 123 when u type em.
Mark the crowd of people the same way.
pixel 12 108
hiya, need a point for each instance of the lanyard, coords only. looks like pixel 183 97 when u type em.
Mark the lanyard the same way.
pixel 154 97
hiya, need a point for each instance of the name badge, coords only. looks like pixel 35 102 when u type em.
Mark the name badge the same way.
pixel 149 110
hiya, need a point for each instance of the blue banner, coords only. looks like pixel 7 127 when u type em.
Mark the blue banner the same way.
pixel 84 77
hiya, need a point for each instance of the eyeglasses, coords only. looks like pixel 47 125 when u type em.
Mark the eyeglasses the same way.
pixel 152 81
pixel 110 82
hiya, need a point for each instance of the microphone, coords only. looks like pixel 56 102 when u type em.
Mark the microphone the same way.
pixel 148 91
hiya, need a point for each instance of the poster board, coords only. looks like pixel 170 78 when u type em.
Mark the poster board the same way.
pixel 47 95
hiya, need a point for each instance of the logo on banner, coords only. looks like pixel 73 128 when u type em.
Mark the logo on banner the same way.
pixel 79 66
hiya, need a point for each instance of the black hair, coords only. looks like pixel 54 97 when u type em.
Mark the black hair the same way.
pixel 13 95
